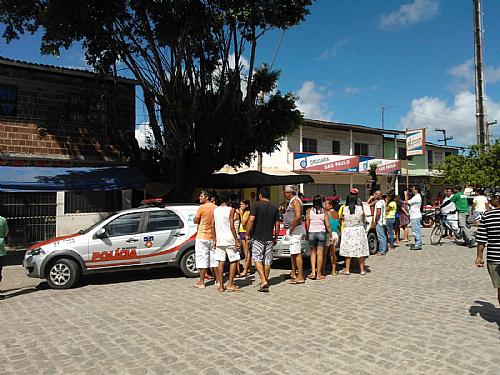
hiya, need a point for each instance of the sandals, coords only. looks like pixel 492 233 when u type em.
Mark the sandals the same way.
pixel 264 288
pixel 296 282
pixel 363 273
pixel 321 277
pixel 235 289
pixel 343 272
pixel 311 276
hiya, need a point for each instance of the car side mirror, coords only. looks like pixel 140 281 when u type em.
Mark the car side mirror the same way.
pixel 101 233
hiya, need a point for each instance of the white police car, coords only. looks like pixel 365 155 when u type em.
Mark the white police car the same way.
pixel 151 235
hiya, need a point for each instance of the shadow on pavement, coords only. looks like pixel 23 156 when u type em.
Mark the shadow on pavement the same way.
pixel 16 292
pixel 487 311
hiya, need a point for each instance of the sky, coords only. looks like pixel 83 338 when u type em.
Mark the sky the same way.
pixel 348 59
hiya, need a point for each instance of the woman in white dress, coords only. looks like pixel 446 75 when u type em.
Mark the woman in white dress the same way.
pixel 354 243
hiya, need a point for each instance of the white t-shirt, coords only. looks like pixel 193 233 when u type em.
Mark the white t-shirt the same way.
pixel 480 202
pixel 223 232
pixel 415 203
pixel 380 204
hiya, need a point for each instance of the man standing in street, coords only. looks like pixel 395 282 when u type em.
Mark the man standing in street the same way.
pixel 4 231
pixel 460 200
pixel 264 218
pixel 489 234
pixel 379 222
pixel 292 220
pixel 226 242
pixel 204 249
pixel 480 203
pixel 415 204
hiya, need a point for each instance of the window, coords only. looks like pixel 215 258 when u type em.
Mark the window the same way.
pixel 163 220
pixel 430 160
pixel 8 100
pixel 401 153
pixel 336 147
pixel 309 145
pixel 124 225
pixel 361 149
pixel 92 201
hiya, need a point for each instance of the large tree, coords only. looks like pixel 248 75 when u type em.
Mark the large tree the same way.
pixel 477 166
pixel 207 108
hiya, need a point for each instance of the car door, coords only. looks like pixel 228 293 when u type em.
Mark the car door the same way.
pixel 164 231
pixel 118 246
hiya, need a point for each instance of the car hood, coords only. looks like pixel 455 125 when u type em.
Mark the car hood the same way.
pixel 53 240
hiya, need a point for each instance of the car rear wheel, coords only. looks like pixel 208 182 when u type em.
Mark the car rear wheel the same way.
pixel 63 273
pixel 372 242
pixel 188 264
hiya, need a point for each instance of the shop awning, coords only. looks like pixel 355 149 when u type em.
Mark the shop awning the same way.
pixel 251 179
pixel 37 179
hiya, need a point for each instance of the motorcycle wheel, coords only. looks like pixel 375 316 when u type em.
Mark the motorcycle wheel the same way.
pixel 427 222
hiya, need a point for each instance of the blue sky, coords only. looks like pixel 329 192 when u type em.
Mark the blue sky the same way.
pixel 349 58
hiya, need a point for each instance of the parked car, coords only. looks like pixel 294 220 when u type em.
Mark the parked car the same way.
pixel 148 236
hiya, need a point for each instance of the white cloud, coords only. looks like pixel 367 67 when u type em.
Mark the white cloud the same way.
pixel 410 14
pixel 458 119
pixel 144 135
pixel 312 101
pixel 332 52
pixel 463 75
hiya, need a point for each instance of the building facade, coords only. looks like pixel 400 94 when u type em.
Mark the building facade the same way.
pixel 61 124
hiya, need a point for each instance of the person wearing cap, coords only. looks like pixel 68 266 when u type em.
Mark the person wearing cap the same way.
pixel 292 221
pixel 488 235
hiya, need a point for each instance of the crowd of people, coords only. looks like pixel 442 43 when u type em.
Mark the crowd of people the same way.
pixel 227 230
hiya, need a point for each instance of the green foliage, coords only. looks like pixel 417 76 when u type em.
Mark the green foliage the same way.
pixel 477 166
pixel 187 57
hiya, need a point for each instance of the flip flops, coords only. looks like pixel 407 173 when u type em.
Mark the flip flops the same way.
pixel 296 282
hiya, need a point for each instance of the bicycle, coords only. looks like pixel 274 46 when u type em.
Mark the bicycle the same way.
pixel 441 224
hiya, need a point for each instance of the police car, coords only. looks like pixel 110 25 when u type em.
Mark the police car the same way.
pixel 152 235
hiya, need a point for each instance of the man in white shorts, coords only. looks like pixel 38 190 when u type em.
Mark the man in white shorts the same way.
pixel 203 248
pixel 226 242
pixel 292 220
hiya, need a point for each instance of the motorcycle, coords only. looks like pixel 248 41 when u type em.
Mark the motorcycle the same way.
pixel 428 219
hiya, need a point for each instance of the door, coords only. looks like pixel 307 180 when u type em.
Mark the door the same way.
pixel 164 231
pixel 119 247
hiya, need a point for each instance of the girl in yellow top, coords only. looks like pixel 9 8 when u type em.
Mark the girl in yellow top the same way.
pixel 244 212
pixel 390 214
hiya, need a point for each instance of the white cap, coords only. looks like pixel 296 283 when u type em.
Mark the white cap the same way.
pixel 290 189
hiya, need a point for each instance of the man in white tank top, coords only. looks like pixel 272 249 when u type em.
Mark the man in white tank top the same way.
pixel 226 242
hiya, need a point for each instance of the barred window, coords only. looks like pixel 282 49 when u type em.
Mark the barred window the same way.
pixel 8 100
pixel 92 201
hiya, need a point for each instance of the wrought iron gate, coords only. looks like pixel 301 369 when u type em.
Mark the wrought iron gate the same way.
pixel 31 216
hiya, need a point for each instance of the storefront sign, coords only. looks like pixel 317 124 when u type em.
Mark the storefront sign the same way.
pixel 384 166
pixel 303 162
pixel 415 142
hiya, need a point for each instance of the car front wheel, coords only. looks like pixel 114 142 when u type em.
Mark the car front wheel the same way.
pixel 63 273
pixel 188 264
pixel 372 242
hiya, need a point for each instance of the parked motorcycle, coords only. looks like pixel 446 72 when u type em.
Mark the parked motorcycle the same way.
pixel 428 219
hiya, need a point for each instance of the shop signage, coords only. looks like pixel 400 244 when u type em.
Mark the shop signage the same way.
pixel 384 166
pixel 303 162
pixel 415 142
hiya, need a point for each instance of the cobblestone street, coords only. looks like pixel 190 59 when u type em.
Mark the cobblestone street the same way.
pixel 428 312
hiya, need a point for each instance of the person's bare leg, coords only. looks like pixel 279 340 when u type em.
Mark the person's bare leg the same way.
pixel 267 269
pixel 333 259
pixel 406 233
pixel 320 260
pixel 293 271
pixel 248 258
pixel 362 265
pixel 300 270
pixel 312 275
pixel 262 274
pixel 232 274
pixel 201 282
pixel 347 268
pixel 220 276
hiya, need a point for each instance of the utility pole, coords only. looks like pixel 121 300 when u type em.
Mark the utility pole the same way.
pixel 382 111
pixel 445 138
pixel 481 121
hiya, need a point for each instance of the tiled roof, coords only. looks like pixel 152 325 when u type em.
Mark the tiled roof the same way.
pixel 59 69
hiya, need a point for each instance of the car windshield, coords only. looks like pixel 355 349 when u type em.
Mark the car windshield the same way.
pixel 85 231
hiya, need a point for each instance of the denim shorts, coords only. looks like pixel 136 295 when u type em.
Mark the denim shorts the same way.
pixel 317 239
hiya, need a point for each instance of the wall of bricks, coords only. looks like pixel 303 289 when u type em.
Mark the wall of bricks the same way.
pixel 67 116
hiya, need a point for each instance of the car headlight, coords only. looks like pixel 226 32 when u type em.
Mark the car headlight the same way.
pixel 37 251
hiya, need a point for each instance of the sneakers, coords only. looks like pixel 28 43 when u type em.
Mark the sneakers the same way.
pixel 416 248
